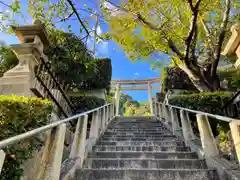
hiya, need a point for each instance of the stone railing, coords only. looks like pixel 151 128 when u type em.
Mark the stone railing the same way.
pixel 52 165
pixel 175 116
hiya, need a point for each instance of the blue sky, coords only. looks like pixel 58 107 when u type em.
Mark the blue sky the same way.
pixel 123 68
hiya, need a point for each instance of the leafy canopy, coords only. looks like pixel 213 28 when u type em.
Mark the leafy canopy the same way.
pixel 143 27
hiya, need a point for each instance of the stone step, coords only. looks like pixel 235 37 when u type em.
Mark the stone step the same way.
pixel 135 126
pixel 145 154
pixel 108 163
pixel 137 130
pixel 146 174
pixel 140 135
pixel 138 122
pixel 138 138
pixel 142 143
pixel 141 148
pixel 137 133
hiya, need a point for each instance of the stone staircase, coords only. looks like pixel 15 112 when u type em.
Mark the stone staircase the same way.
pixel 142 149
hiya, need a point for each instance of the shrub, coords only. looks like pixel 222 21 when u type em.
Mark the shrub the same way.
pixel 160 97
pixel 204 101
pixel 210 102
pixel 100 78
pixel 18 115
pixel 232 75
pixel 86 103
pixel 175 78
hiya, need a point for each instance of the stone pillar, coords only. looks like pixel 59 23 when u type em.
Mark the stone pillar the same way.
pixel 82 143
pixel 208 142
pixel 93 131
pixel 174 120
pixel 157 109
pixel 2 157
pixel 235 131
pixel 167 114
pixel 117 99
pixel 160 110
pixel 52 154
pixel 186 127
pixel 191 133
pixel 20 80
pixel 150 98
pixel 233 45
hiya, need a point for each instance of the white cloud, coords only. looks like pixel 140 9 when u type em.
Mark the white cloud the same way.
pixel 102 49
pixel 136 74
pixel 99 30
pixel 112 9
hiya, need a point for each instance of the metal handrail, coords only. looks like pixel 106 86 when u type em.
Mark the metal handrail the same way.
pixel 219 117
pixel 29 134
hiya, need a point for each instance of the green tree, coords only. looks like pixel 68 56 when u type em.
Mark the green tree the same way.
pixel 52 13
pixel 191 33
pixel 7 59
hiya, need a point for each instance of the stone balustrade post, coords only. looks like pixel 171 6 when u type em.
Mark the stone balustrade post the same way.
pixel 52 154
pixel 98 124
pixel 2 158
pixel 191 133
pixel 235 131
pixel 186 127
pixel 174 120
pixel 103 120
pixel 93 127
pixel 160 110
pixel 82 143
pixel 156 109
pixel 208 142
pixel 166 114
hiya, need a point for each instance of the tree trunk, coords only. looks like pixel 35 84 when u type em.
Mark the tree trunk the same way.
pixel 202 79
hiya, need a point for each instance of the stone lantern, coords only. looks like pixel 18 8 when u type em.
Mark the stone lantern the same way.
pixel 21 80
pixel 233 45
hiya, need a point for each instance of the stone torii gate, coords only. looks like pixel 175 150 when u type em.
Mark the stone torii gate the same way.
pixel 129 85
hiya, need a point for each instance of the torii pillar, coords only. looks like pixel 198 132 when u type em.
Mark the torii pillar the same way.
pixel 117 99
pixel 150 97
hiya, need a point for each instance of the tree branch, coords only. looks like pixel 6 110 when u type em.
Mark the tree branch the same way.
pixel 192 27
pixel 66 18
pixel 142 20
pixel 191 5
pixel 193 45
pixel 78 17
pixel 5 4
pixel 221 37
pixel 175 49
pixel 207 30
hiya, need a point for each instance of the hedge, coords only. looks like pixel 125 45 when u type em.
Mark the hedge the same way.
pixel 204 101
pixel 160 97
pixel 210 102
pixel 18 115
pixel 176 78
pixel 100 78
pixel 86 103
